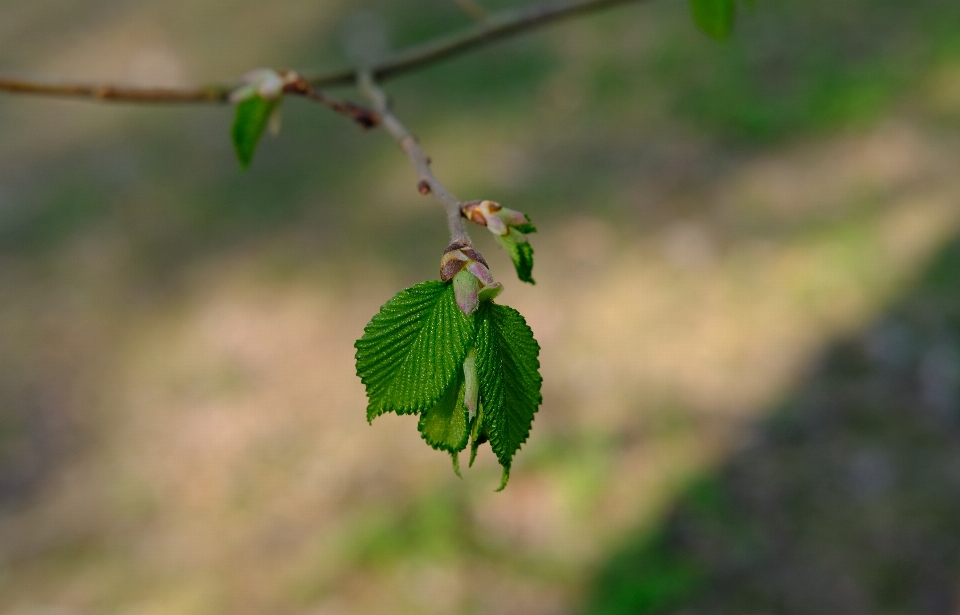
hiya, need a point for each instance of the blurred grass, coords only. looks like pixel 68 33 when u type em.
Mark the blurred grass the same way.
pixel 180 427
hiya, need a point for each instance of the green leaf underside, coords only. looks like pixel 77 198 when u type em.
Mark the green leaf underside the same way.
pixel 714 17
pixel 508 369
pixel 521 253
pixel 251 119
pixel 444 426
pixel 478 435
pixel 413 349
pixel 526 229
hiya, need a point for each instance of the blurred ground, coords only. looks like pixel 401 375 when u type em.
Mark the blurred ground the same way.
pixel 181 430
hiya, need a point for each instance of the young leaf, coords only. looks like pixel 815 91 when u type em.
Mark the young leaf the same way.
pixel 478 435
pixel 510 380
pixel 714 17
pixel 413 349
pixel 253 115
pixel 444 426
pixel 521 253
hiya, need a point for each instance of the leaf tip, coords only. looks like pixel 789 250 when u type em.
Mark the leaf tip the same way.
pixel 504 479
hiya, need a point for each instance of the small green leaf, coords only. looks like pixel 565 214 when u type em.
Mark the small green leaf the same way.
pixel 714 17
pixel 413 349
pixel 527 228
pixel 521 253
pixel 510 379
pixel 253 115
pixel 444 426
pixel 478 435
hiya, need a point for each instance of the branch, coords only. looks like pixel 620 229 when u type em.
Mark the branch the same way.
pixel 493 28
pixel 295 84
pixel 429 184
pixel 53 87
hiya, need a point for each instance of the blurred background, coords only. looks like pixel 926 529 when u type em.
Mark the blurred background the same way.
pixel 747 303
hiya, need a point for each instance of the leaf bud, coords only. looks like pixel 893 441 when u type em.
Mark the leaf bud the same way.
pixel 497 218
pixel 266 83
pixel 471 276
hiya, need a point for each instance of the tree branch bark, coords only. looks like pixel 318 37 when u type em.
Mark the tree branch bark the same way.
pixel 491 29
pixel 429 184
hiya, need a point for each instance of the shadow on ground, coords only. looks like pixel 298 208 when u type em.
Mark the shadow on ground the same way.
pixel 846 500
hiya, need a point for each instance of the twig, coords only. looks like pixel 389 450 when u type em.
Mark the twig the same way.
pixel 115 93
pixel 429 184
pixel 493 28
pixel 295 84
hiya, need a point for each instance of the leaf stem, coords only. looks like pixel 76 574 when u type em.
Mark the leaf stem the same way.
pixel 429 184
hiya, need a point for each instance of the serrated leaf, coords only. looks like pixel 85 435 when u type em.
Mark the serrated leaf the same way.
pixel 413 349
pixel 478 435
pixel 253 115
pixel 444 425
pixel 521 253
pixel 714 17
pixel 508 368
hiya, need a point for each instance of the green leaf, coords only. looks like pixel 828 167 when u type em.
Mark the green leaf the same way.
pixel 714 17
pixel 253 115
pixel 526 228
pixel 413 350
pixel 444 426
pixel 521 253
pixel 510 379
pixel 478 435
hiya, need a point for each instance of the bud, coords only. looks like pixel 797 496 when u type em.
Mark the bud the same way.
pixel 266 83
pixel 496 218
pixel 471 277
pixel 510 229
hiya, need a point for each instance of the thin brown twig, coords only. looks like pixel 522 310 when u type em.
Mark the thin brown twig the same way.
pixel 114 93
pixel 366 118
pixel 493 28
pixel 429 184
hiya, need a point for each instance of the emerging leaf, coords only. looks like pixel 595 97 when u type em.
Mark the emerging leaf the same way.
pixel 526 228
pixel 413 350
pixel 508 369
pixel 253 115
pixel 444 426
pixel 714 17
pixel 478 435
pixel 521 253
pixel 510 228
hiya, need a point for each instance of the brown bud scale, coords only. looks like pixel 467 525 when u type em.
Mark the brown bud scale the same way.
pixel 450 267
pixel 456 245
pixel 474 256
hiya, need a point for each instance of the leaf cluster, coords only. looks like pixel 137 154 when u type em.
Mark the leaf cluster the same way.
pixel 421 355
